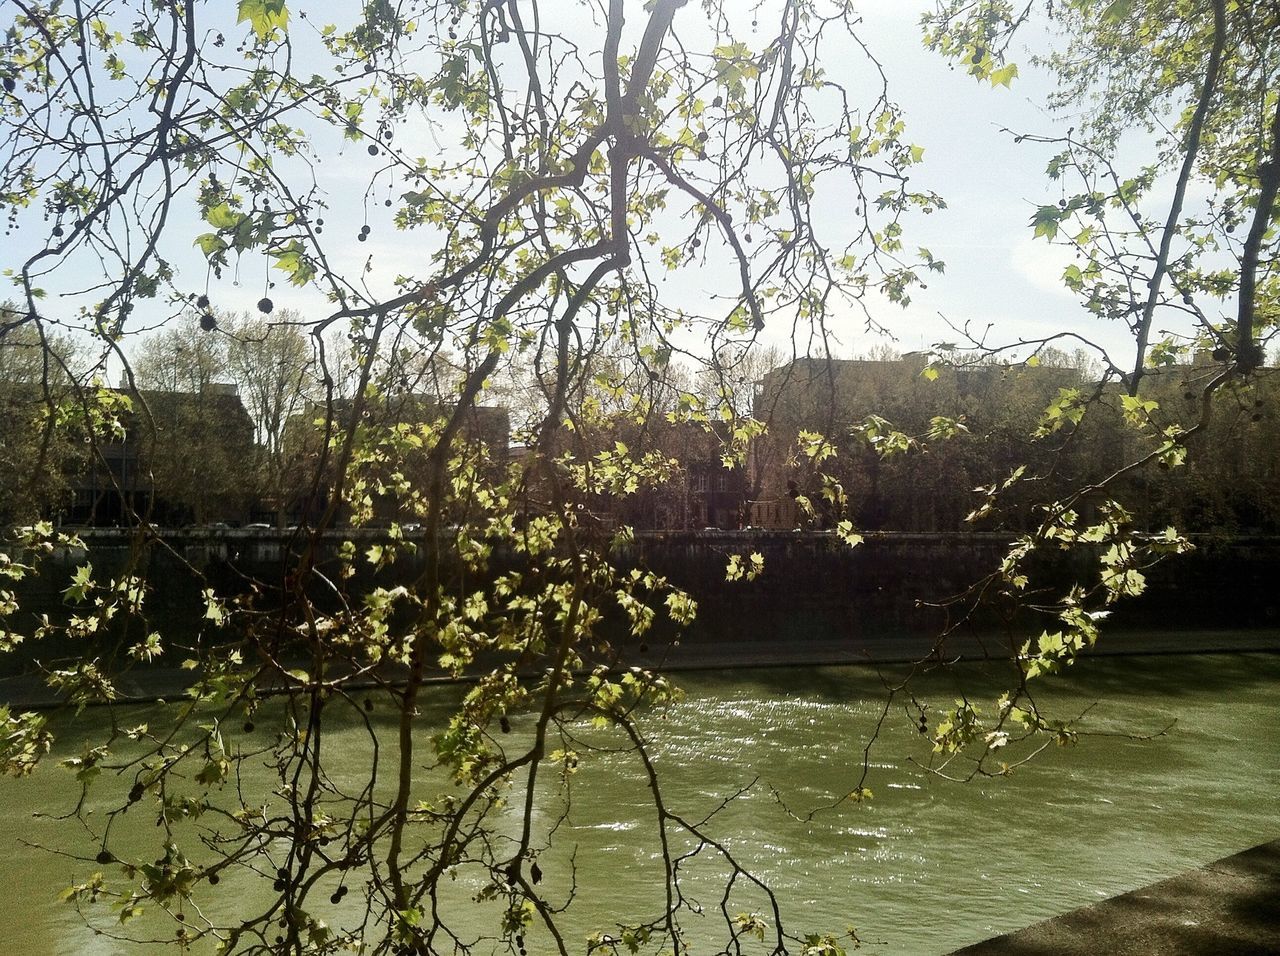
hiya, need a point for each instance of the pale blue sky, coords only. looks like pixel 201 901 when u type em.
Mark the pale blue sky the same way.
pixel 996 272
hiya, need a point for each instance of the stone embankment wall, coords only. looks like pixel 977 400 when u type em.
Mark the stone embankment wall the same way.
pixel 901 583
pixel 812 589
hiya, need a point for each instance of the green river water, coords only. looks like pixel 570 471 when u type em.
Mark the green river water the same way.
pixel 924 867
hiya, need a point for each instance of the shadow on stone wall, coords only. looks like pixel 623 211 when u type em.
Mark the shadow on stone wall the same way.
pixel 812 589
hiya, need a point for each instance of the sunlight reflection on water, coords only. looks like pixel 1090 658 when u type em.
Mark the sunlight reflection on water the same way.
pixel 992 855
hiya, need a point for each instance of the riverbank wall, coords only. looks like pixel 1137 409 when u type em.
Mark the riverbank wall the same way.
pixel 815 600
pixel 1231 906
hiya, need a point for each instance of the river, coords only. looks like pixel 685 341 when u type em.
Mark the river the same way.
pixel 925 866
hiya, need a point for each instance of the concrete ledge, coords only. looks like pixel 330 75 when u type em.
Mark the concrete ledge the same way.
pixel 1227 908
pixel 146 683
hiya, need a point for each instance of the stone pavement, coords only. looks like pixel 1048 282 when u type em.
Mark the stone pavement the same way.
pixel 148 683
pixel 695 654
pixel 1227 908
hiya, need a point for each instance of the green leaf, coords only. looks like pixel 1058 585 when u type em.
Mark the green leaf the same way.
pixel 1046 221
pixel 1137 411
pixel 211 244
pixel 1117 10
pixel 222 216
pixel 844 530
pixel 733 64
pixel 734 571
pixel 265 16
pixel 293 262
pixel 213 772
pixel 212 609
pixel 1004 76
pixel 81 583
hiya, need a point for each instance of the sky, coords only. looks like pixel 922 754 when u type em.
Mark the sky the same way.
pixel 996 272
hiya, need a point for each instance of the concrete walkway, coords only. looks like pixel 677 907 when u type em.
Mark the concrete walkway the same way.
pixel 1227 908
pixel 694 654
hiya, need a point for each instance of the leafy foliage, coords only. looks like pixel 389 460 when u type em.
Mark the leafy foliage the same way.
pixel 547 189
pixel 577 171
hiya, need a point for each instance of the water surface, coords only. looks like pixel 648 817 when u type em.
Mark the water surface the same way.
pixel 924 867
